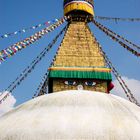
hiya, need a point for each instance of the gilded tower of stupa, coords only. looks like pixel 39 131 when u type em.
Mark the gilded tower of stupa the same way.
pixel 79 64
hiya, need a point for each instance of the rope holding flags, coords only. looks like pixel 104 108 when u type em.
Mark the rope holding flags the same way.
pixel 39 89
pixel 6 35
pixel 124 86
pixel 4 96
pixel 30 68
pixel 42 88
pixel 120 37
pixel 27 29
pixel 12 50
pixel 116 19
pixel 117 38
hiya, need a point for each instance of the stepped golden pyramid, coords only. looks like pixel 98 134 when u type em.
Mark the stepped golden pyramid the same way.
pixel 79 63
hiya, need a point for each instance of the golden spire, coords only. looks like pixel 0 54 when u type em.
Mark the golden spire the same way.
pixel 79 63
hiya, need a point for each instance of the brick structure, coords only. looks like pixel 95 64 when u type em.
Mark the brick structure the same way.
pixel 79 64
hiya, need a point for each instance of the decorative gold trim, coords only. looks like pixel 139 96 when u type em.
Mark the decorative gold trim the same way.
pixel 78 6
pixel 80 69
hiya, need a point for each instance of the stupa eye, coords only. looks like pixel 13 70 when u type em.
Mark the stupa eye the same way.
pixel 70 83
pixel 90 83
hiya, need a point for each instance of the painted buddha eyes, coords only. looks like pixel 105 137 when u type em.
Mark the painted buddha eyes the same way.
pixel 74 83
pixel 90 83
pixel 70 83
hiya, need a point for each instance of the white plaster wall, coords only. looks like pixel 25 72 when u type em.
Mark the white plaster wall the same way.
pixel 73 115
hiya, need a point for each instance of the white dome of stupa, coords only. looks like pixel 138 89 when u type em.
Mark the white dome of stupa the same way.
pixel 73 115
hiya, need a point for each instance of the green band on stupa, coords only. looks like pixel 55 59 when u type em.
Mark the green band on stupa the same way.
pixel 80 74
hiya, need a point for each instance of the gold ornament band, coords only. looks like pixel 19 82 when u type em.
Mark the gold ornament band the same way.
pixel 79 69
pixel 78 6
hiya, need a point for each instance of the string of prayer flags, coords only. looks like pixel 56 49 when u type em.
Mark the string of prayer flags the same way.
pixel 13 49
pixel 118 19
pixel 4 96
pixel 113 37
pixel 127 91
pixel 30 68
pixel 27 29
pixel 122 38
pixel 45 77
